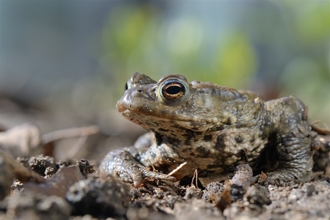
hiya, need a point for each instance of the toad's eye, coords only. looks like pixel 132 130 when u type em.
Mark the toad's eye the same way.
pixel 126 86
pixel 173 91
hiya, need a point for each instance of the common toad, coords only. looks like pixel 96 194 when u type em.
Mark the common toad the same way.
pixel 212 129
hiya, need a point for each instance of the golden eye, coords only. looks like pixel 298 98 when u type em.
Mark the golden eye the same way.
pixel 173 91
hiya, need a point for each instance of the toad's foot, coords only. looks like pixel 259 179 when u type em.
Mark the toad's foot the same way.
pixel 280 177
pixel 122 164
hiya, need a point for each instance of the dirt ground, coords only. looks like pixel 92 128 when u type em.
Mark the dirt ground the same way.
pixel 39 187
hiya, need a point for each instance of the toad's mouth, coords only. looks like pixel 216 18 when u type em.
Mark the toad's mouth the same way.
pixel 153 122
pixel 161 125
pixel 138 115
pixel 144 114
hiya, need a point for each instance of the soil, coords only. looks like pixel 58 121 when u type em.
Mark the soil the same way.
pixel 76 190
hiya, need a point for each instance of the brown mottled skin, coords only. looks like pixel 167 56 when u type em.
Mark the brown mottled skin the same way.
pixel 213 129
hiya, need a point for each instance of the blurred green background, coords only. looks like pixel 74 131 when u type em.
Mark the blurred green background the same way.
pixel 65 63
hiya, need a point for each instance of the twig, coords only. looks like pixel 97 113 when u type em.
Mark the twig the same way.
pixel 21 173
pixel 69 133
pixel 76 147
pixel 319 130
pixel 195 177
pixel 178 168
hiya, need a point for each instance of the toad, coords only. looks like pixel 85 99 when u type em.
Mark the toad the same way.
pixel 209 128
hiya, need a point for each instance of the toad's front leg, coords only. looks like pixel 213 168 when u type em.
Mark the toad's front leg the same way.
pixel 125 164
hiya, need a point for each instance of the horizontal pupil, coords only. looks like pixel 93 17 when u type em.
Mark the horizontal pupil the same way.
pixel 173 90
